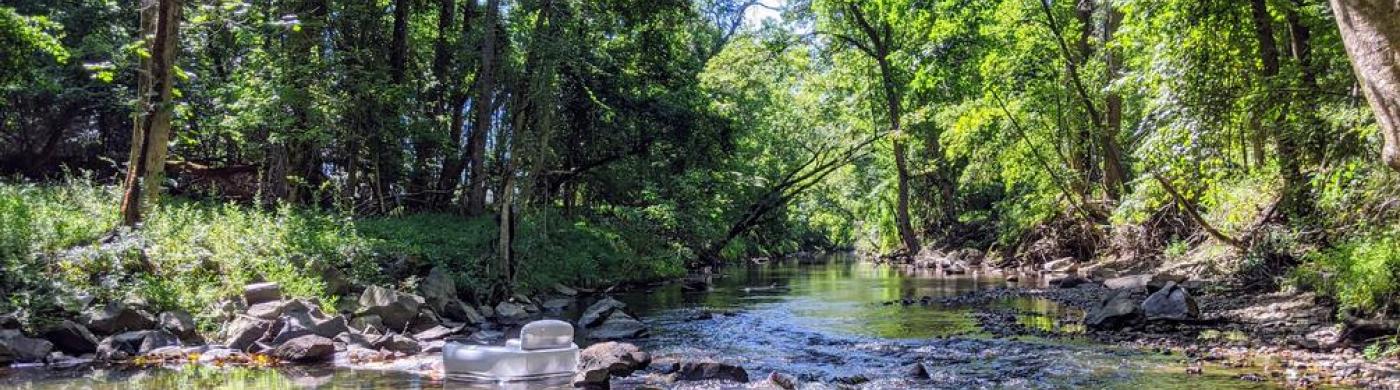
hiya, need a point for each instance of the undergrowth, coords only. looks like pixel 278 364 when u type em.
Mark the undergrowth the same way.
pixel 61 249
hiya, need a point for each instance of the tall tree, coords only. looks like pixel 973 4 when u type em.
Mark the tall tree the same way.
pixel 1371 33
pixel 875 38
pixel 482 108
pixel 160 26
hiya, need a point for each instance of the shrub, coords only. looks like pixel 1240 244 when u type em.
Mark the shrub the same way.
pixel 1362 273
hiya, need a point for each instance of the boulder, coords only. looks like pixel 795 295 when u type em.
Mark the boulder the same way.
pixel 396 309
pixel 599 311
pixel 368 323
pixel 782 381
pixel 620 359
pixel 17 348
pixel 71 337
pixel 155 339
pixel 439 289
pixel 398 343
pixel 509 312
pixel 1119 309
pixel 272 310
pixel 244 331
pixel 261 292
pixel 128 344
pixel 601 361
pixel 618 326
pixel 305 349
pixel 116 317
pixel 10 321
pixel 702 371
pixel 1171 302
pixel 351 339
pixel 1062 265
pixel 426 319
pixel 181 324
pixel 460 311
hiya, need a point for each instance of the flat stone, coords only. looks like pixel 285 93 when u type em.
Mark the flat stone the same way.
pixel 261 292
pixel 618 326
pixel 598 311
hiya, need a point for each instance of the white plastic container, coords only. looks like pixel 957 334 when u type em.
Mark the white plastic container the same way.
pixel 545 351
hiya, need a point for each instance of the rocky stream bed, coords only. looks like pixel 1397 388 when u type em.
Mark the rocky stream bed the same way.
pixel 828 322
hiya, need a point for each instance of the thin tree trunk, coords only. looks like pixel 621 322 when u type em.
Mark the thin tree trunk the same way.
pixel 482 108
pixel 1371 33
pixel 1114 170
pixel 1268 55
pixel 1296 187
pixel 160 19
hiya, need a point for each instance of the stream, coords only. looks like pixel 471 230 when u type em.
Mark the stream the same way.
pixel 824 320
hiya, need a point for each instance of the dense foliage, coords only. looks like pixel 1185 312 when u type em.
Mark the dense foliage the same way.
pixel 622 140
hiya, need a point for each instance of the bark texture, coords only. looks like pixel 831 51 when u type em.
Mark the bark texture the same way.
pixel 1371 33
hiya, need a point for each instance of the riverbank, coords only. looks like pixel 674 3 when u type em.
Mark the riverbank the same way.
pixel 1281 337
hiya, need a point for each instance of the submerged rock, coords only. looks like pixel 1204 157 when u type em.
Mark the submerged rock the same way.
pixel 599 311
pixel 1171 302
pixel 702 371
pixel 618 326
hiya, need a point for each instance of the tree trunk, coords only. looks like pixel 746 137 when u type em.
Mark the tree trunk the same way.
pixel 1296 202
pixel 398 50
pixel 1268 56
pixel 1114 174
pixel 901 163
pixel 160 23
pixel 482 108
pixel 1371 33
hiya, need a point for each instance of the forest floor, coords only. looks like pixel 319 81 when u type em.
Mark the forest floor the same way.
pixel 1286 337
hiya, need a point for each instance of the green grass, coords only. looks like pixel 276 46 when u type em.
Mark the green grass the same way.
pixel 59 241
pixel 1362 273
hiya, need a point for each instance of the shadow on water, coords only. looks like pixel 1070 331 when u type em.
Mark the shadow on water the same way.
pixel 822 320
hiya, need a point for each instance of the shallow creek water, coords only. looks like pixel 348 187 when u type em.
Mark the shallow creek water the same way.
pixel 823 320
